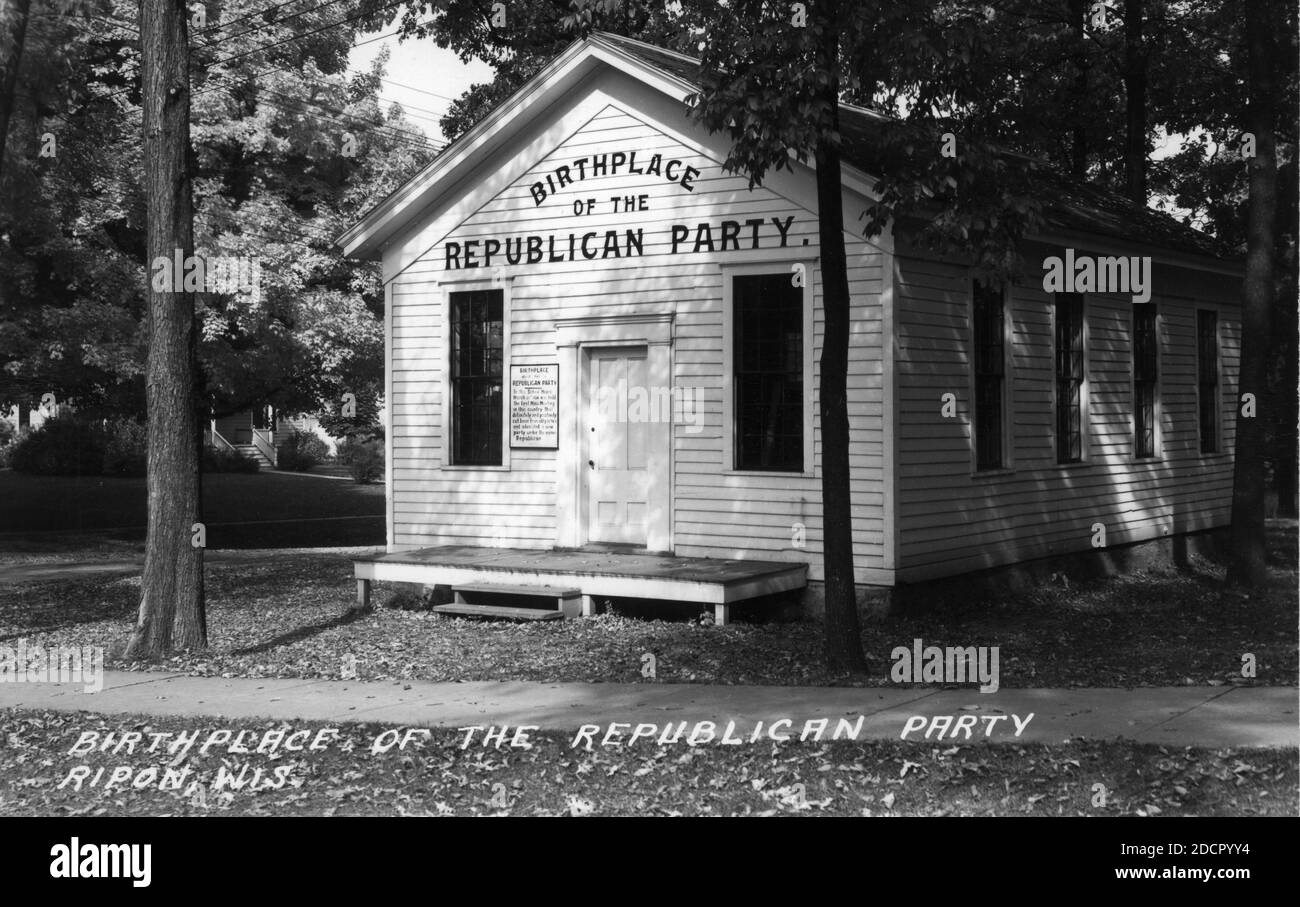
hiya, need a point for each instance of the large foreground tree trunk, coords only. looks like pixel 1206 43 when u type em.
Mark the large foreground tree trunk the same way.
pixel 1285 407
pixel 1285 465
pixel 1135 103
pixel 1246 563
pixel 11 56
pixel 1078 12
pixel 843 641
pixel 171 602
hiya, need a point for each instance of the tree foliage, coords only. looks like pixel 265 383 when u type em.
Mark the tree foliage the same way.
pixel 289 149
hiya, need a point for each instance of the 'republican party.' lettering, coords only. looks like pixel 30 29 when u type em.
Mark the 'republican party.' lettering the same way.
pixel 723 236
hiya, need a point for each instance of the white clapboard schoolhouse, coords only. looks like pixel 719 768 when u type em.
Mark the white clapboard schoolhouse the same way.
pixel 601 365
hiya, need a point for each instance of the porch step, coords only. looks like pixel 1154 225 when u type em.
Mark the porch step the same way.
pixel 467 610
pixel 251 450
pixel 502 589
pixel 567 601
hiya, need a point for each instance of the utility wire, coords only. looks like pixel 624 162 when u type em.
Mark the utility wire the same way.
pixel 260 73
pixel 413 88
pixel 260 13
pixel 257 28
pixel 307 34
pixel 393 132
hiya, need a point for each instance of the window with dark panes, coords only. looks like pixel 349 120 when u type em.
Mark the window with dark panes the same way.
pixel 476 384
pixel 768 372
pixel 990 368
pixel 1146 358
pixel 1207 378
pixel 1069 377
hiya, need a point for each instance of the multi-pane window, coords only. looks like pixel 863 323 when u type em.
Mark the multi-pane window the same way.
pixel 990 368
pixel 476 385
pixel 768 372
pixel 1069 377
pixel 1146 358
pixel 1207 378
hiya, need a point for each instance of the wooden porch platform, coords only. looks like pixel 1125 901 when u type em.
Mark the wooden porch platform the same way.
pixel 709 581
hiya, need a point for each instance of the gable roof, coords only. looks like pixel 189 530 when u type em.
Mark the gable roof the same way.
pixel 1073 207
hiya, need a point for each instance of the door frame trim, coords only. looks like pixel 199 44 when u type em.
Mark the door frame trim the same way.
pixel 574 337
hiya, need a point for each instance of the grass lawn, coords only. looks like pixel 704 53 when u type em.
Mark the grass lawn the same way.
pixel 437 777
pixel 288 619
pixel 91 514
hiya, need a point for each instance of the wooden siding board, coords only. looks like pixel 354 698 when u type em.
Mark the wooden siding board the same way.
pixel 950 520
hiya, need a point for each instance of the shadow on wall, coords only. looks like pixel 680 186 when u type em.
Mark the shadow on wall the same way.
pixel 1040 508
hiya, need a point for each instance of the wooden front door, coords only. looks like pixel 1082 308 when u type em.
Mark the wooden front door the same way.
pixel 618 430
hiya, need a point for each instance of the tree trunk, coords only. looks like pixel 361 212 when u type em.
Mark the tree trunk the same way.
pixel 171 602
pixel 9 64
pixel 1079 145
pixel 1248 548
pixel 1285 407
pixel 1135 103
pixel 1285 465
pixel 843 639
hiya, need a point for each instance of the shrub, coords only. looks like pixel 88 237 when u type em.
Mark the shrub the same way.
pixel 364 459
pixel 300 451
pixel 363 418
pixel 352 441
pixel 343 453
pixel 126 448
pixel 62 446
pixel 8 441
pixel 226 460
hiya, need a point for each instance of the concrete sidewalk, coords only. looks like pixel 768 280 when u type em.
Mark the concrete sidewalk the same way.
pixel 1176 716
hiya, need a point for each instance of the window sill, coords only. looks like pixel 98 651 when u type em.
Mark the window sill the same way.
pixel 1001 471
pixel 463 468
pixel 771 473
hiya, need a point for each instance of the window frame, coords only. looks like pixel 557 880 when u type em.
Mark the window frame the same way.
pixel 1085 345
pixel 446 388
pixel 1157 413
pixel 730 422
pixel 1217 409
pixel 1007 434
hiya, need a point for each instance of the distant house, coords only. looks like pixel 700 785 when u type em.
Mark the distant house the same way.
pixel 596 337
pixel 32 416
pixel 258 430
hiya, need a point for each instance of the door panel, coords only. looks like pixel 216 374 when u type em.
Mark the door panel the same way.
pixel 618 477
